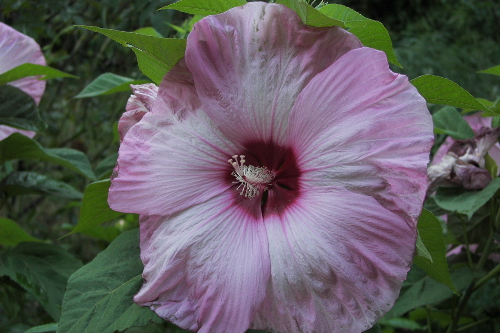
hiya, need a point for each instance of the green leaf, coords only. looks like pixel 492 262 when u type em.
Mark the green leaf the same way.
pixel 24 182
pixel 106 166
pixel 43 328
pixel 206 7
pixel 370 32
pixel 421 249
pixel 449 121
pixel 150 31
pixel 18 109
pixel 492 70
pixel 463 201
pixel 43 270
pixel 155 55
pixel 25 70
pixel 12 234
pixel 108 83
pixel 438 90
pixel 431 234
pixel 403 323
pixel 107 234
pixel 99 295
pixel 310 15
pixel 491 165
pixel 18 146
pixel 425 290
pixel 95 209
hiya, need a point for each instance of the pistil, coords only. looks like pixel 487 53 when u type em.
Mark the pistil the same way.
pixel 252 179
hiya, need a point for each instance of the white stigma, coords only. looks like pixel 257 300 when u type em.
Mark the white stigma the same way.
pixel 251 179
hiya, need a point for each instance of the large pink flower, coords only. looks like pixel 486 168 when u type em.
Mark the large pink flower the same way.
pixel 17 49
pixel 311 225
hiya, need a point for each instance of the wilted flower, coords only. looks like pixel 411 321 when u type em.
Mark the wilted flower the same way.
pixel 279 176
pixel 462 162
pixel 17 49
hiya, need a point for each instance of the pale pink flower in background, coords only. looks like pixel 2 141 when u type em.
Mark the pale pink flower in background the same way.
pixel 462 162
pixel 279 176
pixel 17 49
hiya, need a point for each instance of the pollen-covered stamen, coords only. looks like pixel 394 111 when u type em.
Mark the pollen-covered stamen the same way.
pixel 252 179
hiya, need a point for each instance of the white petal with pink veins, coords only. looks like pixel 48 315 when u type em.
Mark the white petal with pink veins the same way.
pixel 206 268
pixel 250 63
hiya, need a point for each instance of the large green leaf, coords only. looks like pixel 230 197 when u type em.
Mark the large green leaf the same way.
pixel 492 70
pixel 310 15
pixel 449 121
pixel 18 109
pixel 18 146
pixel 155 55
pixel 370 32
pixel 108 83
pixel 12 234
pixel 206 7
pixel 43 328
pixel 438 90
pixel 105 168
pixel 99 295
pixel 431 234
pixel 95 209
pixel 464 201
pixel 425 290
pixel 25 70
pixel 25 182
pixel 43 270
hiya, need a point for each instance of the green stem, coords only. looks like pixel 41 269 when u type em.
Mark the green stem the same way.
pixel 487 248
pixel 456 316
pixel 463 328
pixel 429 320
pixel 488 276
pixel 467 249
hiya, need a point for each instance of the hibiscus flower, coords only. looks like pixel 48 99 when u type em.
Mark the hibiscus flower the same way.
pixel 278 175
pixel 462 162
pixel 17 49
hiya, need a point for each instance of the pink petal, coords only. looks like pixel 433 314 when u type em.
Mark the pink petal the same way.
pixel 206 268
pixel 338 259
pixel 141 101
pixel 250 63
pixel 166 165
pixel 177 94
pixel 6 131
pixel 363 127
pixel 17 49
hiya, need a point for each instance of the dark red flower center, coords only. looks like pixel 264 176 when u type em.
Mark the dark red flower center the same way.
pixel 281 191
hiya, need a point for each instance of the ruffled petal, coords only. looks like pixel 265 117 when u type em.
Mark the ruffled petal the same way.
pixel 205 268
pixel 6 131
pixel 250 63
pixel 338 259
pixel 365 128
pixel 165 165
pixel 139 103
pixel 17 49
pixel 177 96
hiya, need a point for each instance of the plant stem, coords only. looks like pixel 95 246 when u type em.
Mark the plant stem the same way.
pixel 429 320
pixel 488 276
pixel 463 328
pixel 461 307
pixel 487 248
pixel 467 249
